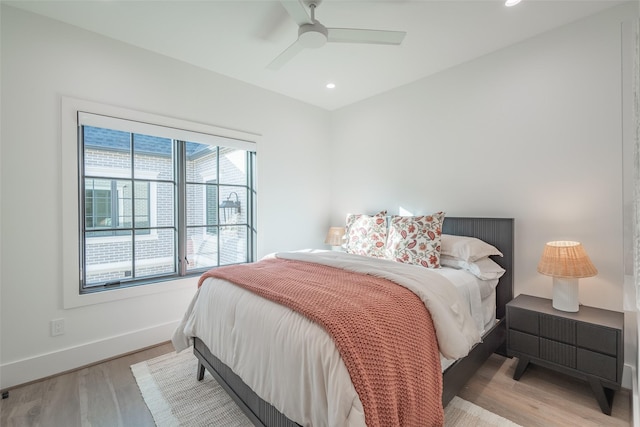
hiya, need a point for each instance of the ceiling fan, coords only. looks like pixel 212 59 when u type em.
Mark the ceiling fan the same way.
pixel 312 34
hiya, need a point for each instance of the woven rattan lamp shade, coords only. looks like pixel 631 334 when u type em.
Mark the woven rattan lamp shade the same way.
pixel 334 236
pixel 567 260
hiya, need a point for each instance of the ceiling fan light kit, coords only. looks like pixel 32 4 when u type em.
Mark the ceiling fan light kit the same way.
pixel 312 34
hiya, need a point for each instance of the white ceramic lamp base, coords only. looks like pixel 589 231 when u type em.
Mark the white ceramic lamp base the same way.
pixel 565 294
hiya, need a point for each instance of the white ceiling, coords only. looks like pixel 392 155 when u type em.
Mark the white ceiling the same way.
pixel 239 38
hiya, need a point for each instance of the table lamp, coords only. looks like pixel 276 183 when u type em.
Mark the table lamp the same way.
pixel 335 237
pixel 566 262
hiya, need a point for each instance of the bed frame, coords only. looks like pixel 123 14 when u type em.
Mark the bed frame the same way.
pixel 496 231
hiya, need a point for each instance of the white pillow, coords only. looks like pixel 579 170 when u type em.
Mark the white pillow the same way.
pixel 465 248
pixel 483 269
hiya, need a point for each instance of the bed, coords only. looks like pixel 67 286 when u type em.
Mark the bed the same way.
pixel 495 231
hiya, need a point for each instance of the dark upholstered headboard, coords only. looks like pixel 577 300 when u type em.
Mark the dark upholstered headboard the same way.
pixel 500 233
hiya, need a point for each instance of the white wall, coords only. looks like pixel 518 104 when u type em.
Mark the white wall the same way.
pixel 531 132
pixel 43 60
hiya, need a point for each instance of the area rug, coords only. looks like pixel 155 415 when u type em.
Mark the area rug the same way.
pixel 174 397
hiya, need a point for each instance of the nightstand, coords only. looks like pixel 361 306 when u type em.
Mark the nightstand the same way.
pixel 587 344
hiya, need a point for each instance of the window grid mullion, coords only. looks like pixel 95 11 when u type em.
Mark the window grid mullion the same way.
pixel 134 274
pixel 249 211
pixel 181 205
pixel 218 204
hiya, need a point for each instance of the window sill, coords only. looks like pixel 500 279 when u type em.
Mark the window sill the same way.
pixel 73 298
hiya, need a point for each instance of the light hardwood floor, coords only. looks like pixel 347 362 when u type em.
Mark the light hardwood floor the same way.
pixel 102 395
pixel 541 398
pixel 107 395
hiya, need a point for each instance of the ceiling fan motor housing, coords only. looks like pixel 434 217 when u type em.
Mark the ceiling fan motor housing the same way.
pixel 312 35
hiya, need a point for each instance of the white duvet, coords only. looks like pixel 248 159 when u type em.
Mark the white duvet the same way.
pixel 290 361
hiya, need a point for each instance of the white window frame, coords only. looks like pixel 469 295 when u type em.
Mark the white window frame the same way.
pixel 71 108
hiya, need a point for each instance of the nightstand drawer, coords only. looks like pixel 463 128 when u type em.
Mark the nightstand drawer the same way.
pixel 523 343
pixel 557 352
pixel 558 328
pixel 523 320
pixel 593 337
pixel 597 364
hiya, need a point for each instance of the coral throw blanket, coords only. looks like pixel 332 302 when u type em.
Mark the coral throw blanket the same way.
pixel 383 331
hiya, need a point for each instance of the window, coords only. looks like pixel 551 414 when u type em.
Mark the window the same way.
pixel 158 203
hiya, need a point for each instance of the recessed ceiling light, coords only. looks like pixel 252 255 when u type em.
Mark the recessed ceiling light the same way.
pixel 331 85
pixel 510 3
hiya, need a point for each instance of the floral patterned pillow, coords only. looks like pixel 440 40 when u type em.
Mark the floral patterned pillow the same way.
pixel 416 239
pixel 366 234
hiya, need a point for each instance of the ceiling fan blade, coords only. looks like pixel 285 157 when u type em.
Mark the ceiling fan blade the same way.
pixel 285 56
pixel 353 35
pixel 297 11
pixel 274 24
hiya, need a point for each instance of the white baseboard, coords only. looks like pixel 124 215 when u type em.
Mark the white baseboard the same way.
pixel 628 371
pixel 45 365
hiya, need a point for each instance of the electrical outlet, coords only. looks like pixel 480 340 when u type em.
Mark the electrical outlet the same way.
pixel 57 327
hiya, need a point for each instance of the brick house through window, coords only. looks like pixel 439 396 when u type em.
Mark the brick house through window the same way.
pixel 154 207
